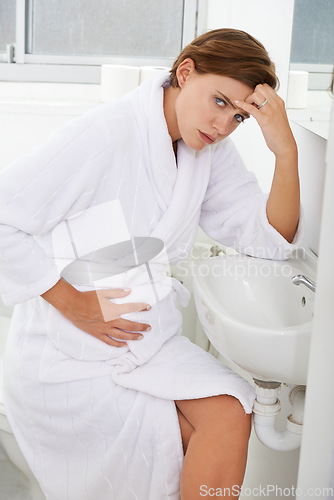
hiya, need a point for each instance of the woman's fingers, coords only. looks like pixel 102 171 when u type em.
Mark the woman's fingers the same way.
pixel 122 335
pixel 122 330
pixel 117 293
pixel 95 313
pixel 269 111
pixel 260 103
pixel 117 332
pixel 261 94
pixel 112 342
pixel 114 293
pixel 131 326
pixel 111 311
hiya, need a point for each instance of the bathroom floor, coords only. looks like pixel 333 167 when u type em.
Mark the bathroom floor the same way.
pixel 13 485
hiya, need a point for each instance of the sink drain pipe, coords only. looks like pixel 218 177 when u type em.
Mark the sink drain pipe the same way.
pixel 266 408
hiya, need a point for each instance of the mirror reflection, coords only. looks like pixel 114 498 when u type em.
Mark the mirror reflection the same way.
pixel 311 65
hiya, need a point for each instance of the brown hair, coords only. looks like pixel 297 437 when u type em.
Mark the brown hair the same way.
pixel 231 53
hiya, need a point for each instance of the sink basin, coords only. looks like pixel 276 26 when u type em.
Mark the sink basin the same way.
pixel 255 316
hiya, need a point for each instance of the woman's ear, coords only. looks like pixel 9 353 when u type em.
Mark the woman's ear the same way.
pixel 184 69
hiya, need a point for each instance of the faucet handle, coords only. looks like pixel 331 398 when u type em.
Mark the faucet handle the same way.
pixel 215 250
pixel 304 280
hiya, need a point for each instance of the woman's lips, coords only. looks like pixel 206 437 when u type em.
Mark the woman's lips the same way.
pixel 206 138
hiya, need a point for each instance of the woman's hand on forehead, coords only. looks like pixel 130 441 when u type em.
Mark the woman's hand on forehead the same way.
pixel 268 109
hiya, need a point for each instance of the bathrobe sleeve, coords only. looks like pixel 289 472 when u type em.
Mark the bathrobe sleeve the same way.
pixel 55 181
pixel 234 209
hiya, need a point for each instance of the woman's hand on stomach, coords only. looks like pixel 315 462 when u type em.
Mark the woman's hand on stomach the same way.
pixel 96 314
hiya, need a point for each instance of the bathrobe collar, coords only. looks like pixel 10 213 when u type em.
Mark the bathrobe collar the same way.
pixel 180 187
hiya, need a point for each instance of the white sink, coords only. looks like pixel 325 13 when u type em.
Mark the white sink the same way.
pixel 255 316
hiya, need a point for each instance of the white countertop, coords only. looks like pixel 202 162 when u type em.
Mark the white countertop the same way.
pixel 316 116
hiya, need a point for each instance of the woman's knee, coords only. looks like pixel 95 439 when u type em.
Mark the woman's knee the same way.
pixel 229 416
pixel 221 413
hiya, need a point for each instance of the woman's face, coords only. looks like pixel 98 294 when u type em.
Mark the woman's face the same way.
pixel 205 107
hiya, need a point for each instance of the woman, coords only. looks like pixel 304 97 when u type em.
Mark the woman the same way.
pixel 98 412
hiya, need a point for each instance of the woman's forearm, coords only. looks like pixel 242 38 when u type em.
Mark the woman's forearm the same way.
pixel 283 205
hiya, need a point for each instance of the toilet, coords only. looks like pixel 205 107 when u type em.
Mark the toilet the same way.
pixel 8 443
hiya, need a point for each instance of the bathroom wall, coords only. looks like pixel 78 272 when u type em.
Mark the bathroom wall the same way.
pixel 30 112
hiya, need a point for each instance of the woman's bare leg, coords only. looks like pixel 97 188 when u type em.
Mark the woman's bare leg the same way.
pixel 215 433
pixel 186 430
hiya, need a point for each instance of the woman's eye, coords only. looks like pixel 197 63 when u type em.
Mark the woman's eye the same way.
pixel 220 102
pixel 239 118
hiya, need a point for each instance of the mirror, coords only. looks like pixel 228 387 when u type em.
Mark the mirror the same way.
pixel 312 53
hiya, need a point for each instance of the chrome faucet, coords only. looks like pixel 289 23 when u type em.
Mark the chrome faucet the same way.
pixel 301 279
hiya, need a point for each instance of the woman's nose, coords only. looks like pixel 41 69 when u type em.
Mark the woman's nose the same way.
pixel 221 124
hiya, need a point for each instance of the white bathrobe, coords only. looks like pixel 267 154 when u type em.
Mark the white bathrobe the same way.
pixel 96 421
